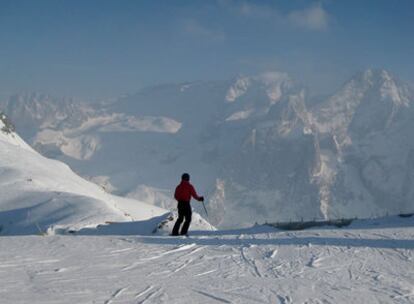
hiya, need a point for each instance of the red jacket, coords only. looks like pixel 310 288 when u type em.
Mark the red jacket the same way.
pixel 185 191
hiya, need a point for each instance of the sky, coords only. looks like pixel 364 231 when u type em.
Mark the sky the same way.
pixel 99 49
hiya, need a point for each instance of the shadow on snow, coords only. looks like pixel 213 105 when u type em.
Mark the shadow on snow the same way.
pixel 257 235
pixel 285 241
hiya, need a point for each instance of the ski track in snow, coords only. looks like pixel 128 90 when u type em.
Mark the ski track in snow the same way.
pixel 146 290
pixel 314 266
pixel 149 294
pixel 115 295
pixel 213 297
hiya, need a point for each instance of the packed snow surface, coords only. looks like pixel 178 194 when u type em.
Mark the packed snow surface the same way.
pixel 367 262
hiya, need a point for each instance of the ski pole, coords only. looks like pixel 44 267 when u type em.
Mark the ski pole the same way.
pixel 211 227
pixel 205 208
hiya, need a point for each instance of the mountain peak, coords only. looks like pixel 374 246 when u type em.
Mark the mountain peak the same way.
pixel 391 88
pixel 380 85
pixel 273 83
pixel 376 76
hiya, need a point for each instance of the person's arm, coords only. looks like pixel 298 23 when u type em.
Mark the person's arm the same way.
pixel 175 193
pixel 195 195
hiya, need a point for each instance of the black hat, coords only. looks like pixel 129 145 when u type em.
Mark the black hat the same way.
pixel 185 177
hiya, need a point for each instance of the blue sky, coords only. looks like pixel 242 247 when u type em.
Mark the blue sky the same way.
pixel 101 49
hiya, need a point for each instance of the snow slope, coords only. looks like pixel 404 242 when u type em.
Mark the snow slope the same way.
pixel 367 262
pixel 40 195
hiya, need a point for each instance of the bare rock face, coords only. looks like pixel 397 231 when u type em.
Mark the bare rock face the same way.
pixel 7 125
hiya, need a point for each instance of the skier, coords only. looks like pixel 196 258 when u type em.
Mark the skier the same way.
pixel 183 194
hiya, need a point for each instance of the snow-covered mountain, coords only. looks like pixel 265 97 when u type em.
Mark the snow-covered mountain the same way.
pixel 34 111
pixel 40 195
pixel 253 145
pixel 366 147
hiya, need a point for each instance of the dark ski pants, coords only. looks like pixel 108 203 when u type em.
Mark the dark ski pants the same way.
pixel 184 212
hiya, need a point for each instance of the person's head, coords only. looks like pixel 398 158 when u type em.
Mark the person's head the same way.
pixel 185 177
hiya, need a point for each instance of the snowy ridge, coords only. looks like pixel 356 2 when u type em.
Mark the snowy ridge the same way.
pixel 10 137
pixel 40 195
pixel 273 82
pixel 83 141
